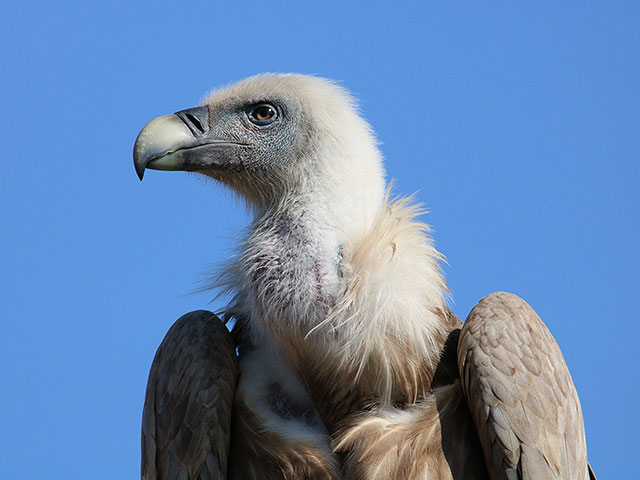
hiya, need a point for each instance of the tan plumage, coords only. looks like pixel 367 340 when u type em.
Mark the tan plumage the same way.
pixel 520 393
pixel 350 364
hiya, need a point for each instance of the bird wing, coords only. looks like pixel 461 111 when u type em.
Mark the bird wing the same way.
pixel 187 409
pixel 520 393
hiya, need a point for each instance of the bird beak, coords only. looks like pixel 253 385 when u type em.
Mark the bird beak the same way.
pixel 183 141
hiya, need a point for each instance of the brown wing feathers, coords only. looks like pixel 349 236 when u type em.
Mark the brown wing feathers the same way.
pixel 520 393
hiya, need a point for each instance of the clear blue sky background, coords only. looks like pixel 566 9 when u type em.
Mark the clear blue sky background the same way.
pixel 519 125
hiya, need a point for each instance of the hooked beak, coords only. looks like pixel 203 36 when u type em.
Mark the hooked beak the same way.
pixel 183 141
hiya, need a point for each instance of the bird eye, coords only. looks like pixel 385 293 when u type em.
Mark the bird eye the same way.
pixel 262 114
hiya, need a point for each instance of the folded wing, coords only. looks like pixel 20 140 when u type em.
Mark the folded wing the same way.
pixel 520 393
pixel 187 410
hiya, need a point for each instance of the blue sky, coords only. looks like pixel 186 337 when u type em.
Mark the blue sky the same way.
pixel 518 126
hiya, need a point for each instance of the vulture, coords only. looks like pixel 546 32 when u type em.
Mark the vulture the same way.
pixel 342 359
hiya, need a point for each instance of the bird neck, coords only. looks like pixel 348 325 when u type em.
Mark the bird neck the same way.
pixel 340 189
pixel 290 267
pixel 357 312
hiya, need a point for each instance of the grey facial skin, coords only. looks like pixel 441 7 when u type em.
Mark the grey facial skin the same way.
pixel 223 137
pixel 184 141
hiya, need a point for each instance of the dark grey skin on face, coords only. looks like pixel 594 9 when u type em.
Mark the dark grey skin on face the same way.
pixel 260 136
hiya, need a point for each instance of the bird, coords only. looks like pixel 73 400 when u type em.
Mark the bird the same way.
pixel 344 360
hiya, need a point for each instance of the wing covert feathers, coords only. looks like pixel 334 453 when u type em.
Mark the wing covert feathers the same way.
pixel 187 411
pixel 520 393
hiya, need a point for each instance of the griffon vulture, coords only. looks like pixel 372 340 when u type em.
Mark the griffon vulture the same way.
pixel 344 360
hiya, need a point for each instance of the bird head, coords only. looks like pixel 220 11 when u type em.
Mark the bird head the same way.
pixel 268 137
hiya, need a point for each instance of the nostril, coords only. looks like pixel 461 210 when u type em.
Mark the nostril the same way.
pixel 195 122
pixel 196 119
